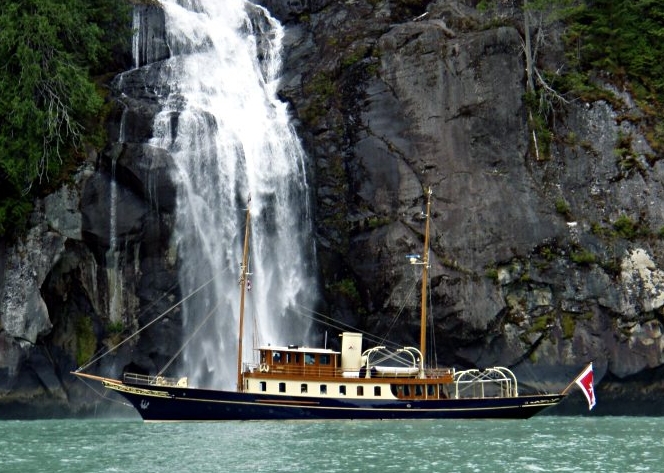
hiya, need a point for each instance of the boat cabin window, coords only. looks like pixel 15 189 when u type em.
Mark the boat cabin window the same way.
pixel 303 388
pixel 342 389
pixel 282 387
pixel 376 390
pixel 405 391
pixel 323 388
pixel 324 359
pixel 263 386
pixel 276 357
pixel 360 390
pixel 309 359
pixel 293 358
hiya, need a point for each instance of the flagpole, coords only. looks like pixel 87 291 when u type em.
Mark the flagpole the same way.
pixel 571 385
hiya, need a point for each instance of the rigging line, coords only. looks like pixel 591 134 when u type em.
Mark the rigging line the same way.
pixel 399 312
pixel 103 396
pixel 163 314
pixel 330 322
pixel 190 338
pixel 394 357
pixel 144 311
pixel 322 316
pixel 255 340
pixel 432 334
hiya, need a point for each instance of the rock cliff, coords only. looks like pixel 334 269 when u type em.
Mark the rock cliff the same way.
pixel 539 264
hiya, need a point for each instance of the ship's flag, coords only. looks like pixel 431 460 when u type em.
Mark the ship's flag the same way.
pixel 585 382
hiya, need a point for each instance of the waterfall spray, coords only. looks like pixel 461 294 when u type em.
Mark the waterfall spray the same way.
pixel 230 138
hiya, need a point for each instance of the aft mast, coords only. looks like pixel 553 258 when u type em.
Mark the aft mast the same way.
pixel 425 276
pixel 244 271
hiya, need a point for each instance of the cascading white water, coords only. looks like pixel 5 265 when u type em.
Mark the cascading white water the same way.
pixel 115 292
pixel 113 263
pixel 231 138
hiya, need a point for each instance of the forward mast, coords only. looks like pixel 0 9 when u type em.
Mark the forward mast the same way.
pixel 244 273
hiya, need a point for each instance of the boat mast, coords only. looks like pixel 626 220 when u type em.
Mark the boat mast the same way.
pixel 425 276
pixel 244 271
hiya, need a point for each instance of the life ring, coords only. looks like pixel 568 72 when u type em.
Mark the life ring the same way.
pixel 264 368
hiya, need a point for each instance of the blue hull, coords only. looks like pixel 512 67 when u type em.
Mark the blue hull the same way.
pixel 166 404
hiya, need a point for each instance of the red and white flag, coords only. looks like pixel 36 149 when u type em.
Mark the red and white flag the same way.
pixel 585 382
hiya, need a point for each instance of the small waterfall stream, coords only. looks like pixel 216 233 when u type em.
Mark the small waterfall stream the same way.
pixel 114 256
pixel 231 138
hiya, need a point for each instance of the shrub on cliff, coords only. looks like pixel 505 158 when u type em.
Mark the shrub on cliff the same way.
pixel 620 42
pixel 48 100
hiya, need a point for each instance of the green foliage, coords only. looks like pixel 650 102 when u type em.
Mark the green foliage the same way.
pixel 542 323
pixel 627 160
pixel 48 100
pixel 86 341
pixel 346 288
pixel 547 252
pixel 597 229
pixel 538 123
pixel 13 212
pixel 568 325
pixel 491 273
pixel 114 332
pixel 624 38
pixel 322 89
pixel 354 55
pixel 378 221
pixel 485 5
pixel 563 208
pixel 578 84
pixel 583 257
pixel 660 233
pixel 115 327
pixel 625 227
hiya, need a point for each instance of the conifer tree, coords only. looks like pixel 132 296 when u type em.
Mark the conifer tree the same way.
pixel 48 99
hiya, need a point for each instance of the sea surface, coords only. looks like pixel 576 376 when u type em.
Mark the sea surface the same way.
pixel 547 443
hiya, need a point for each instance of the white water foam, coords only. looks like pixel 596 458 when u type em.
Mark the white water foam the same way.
pixel 231 138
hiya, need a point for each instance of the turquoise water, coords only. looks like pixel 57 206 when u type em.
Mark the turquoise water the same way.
pixel 550 444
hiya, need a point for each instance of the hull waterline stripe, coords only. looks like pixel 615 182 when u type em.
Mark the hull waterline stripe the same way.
pixel 371 408
pixel 284 402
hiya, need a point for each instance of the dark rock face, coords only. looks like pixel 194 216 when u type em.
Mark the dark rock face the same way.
pixel 527 266
pixel 98 263
pixel 538 264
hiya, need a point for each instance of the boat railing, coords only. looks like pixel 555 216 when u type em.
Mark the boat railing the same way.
pixel 322 371
pixel 490 382
pixel 143 379
pixel 446 375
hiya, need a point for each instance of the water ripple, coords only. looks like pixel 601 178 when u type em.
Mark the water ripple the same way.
pixel 550 444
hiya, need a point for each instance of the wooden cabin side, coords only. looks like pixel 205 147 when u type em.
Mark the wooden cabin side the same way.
pixel 298 362
pixel 295 371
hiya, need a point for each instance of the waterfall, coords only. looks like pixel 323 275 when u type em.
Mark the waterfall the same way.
pixel 115 290
pixel 231 138
pixel 113 255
